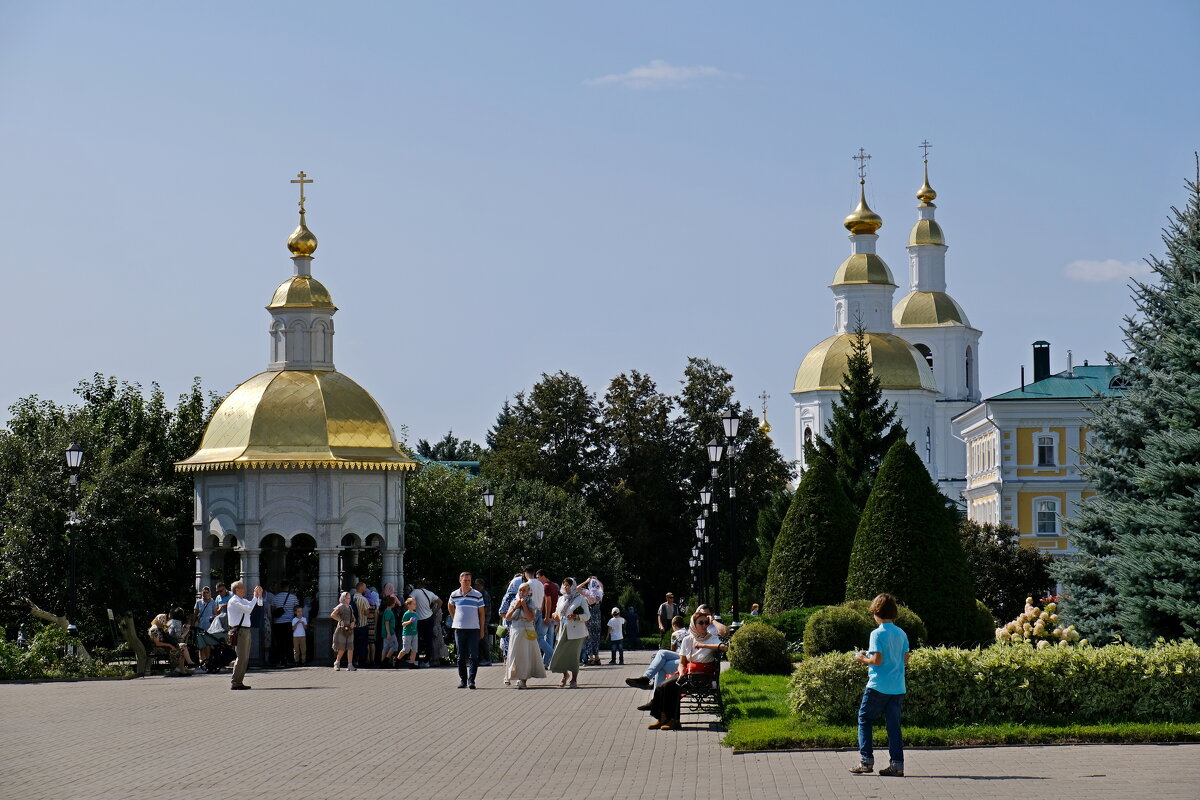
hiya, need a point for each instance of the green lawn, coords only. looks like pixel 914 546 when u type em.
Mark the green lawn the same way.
pixel 757 718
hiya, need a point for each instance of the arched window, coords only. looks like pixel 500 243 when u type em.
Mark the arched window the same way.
pixel 1045 512
pixel 925 351
pixel 808 435
pixel 970 367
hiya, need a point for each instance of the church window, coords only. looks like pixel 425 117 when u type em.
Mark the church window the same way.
pixel 925 351
pixel 808 435
pixel 1045 451
pixel 1047 517
pixel 928 446
pixel 970 367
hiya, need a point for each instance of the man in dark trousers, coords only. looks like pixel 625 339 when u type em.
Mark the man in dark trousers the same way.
pixel 666 612
pixel 240 611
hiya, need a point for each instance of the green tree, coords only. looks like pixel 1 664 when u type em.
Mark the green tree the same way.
pixel 133 547
pixel 1003 572
pixel 906 545
pixel 640 499
pixel 707 394
pixel 862 428
pixel 450 448
pixel 1136 570
pixel 812 554
pixel 756 554
pixel 551 434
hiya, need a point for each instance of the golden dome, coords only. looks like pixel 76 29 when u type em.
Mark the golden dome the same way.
pixel 928 309
pixel 863 268
pixel 926 194
pixel 302 242
pixel 897 363
pixel 298 419
pixel 926 231
pixel 862 219
pixel 302 291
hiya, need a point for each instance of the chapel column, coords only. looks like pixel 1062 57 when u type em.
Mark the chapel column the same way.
pixel 203 568
pixel 327 599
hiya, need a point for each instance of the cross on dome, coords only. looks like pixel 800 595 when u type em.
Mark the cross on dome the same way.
pixel 862 157
pixel 302 179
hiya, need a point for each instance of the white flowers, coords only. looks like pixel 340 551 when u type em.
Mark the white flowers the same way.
pixel 1038 627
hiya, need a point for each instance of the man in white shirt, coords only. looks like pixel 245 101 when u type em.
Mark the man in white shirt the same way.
pixel 426 602
pixel 240 610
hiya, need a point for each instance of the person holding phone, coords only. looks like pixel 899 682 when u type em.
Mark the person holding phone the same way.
pixel 572 615
pixel 886 658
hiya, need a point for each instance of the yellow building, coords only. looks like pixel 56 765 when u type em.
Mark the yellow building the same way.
pixel 1023 450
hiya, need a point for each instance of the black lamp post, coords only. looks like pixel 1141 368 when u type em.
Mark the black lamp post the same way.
pixel 489 500
pixel 730 422
pixel 74 456
pixel 715 451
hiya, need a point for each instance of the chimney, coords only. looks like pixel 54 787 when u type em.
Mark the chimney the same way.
pixel 1041 360
pixel 1070 364
pixel 1022 377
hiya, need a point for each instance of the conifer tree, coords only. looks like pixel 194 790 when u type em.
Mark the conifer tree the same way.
pixel 863 426
pixel 812 552
pixel 1136 572
pixel 907 545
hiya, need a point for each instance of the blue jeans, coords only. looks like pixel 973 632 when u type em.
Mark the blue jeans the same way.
pixel 873 705
pixel 618 646
pixel 466 644
pixel 663 664
pixel 545 634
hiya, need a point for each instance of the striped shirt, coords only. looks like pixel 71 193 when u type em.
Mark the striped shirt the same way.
pixel 466 615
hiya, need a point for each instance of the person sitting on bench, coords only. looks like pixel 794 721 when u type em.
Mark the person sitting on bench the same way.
pixel 698 653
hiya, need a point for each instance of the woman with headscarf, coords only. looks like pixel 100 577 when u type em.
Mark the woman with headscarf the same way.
pixel 160 634
pixel 593 590
pixel 572 614
pixel 698 653
pixel 343 632
pixel 524 654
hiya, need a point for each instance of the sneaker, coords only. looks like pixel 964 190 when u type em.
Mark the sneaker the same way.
pixel 462 684
pixel 353 668
pixel 892 772
pixel 640 682
pixel 862 769
pixel 471 685
pixel 337 667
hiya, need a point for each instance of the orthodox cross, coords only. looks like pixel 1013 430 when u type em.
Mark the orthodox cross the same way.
pixel 925 145
pixel 764 397
pixel 302 179
pixel 862 157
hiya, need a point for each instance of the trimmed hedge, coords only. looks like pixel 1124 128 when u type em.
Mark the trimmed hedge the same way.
pixel 1057 685
pixel 759 649
pixel 838 629
pixel 792 623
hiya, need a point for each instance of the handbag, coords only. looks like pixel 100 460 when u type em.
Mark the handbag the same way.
pixel 231 636
pixel 531 635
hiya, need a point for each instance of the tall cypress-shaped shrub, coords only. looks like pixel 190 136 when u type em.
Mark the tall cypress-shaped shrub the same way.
pixel 906 545
pixel 812 552
pixel 1136 571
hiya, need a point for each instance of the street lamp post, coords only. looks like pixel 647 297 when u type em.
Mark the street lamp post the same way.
pixel 74 456
pixel 489 500
pixel 715 451
pixel 730 422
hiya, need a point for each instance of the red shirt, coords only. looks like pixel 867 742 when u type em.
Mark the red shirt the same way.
pixel 552 594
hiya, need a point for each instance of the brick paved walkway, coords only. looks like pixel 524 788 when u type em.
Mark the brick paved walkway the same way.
pixel 313 733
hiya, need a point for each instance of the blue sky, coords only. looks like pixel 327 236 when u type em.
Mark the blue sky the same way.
pixel 506 189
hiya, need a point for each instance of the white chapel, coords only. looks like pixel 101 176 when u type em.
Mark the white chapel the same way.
pixel 923 348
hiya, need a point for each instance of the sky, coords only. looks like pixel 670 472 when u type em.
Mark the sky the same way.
pixel 509 189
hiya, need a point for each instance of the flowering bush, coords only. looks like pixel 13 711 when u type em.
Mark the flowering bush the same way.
pixel 1056 685
pixel 1040 628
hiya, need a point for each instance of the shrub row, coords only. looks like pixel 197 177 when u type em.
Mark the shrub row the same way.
pixel 1081 685
pixel 836 629
pixel 792 623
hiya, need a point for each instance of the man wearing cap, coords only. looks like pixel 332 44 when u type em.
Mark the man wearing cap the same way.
pixel 666 612
pixel 616 635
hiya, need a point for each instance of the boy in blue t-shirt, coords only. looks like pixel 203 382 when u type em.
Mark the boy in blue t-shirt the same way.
pixel 885 658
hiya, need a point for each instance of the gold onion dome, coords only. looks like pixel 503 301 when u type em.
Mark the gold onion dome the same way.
pixel 298 419
pixel 862 219
pixel 898 364
pixel 302 291
pixel 926 194
pixel 302 242
pixel 928 310
pixel 863 268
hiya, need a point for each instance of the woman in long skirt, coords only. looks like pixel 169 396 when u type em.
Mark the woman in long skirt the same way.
pixel 572 615
pixel 524 655
pixel 593 590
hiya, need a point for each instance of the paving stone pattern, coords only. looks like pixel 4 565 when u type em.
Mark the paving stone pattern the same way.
pixel 313 733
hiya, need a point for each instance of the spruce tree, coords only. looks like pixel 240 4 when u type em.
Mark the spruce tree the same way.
pixel 907 545
pixel 812 552
pixel 863 426
pixel 1136 572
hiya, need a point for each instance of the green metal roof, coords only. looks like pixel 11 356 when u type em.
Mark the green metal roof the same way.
pixel 1087 382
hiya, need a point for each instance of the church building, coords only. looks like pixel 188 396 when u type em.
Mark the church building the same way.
pixel 923 349
pixel 299 476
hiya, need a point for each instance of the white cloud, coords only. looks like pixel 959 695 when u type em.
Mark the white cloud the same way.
pixel 658 74
pixel 1107 270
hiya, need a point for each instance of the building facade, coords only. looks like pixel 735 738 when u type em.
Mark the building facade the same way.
pixel 1023 450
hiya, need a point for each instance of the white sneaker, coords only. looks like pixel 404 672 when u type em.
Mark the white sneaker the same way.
pixel 337 667
pixel 353 668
